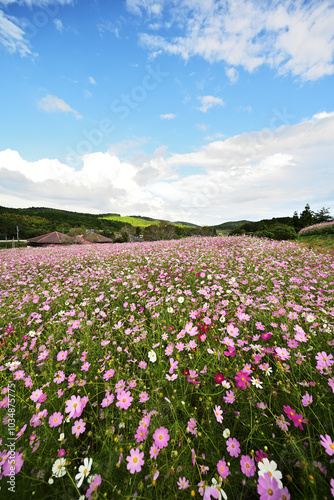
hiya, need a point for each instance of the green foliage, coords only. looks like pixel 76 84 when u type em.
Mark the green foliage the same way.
pixel 318 229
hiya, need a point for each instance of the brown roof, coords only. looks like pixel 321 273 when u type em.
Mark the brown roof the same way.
pixel 54 238
pixel 96 238
pixel 91 237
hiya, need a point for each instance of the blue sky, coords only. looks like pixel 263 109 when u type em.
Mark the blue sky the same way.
pixel 197 110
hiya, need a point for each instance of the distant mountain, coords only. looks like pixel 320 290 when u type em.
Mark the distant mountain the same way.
pixel 182 223
pixel 229 226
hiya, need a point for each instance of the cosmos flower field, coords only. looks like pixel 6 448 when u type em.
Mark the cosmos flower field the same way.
pixel 196 368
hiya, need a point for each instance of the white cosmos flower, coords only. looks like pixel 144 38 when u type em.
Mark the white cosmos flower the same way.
pixel 226 433
pixel 84 470
pixel 256 382
pixel 270 466
pixel 170 310
pixel 180 300
pixel 58 468
pixel 152 356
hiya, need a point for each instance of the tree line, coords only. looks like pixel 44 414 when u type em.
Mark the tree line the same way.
pixel 284 228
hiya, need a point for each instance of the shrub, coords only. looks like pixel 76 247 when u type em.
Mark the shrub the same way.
pixel 319 229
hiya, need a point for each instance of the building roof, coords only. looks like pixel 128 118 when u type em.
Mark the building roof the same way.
pixel 96 238
pixel 91 237
pixel 54 238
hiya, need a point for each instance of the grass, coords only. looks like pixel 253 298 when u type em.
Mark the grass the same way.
pixel 322 244
pixel 137 221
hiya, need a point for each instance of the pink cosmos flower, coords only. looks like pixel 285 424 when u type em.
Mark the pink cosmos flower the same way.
pixel 62 355
pixel 36 395
pixel 232 330
pixel 210 492
pixel 331 383
pixel 223 469
pixel 247 465
pixel 78 427
pixel 182 483
pixel 328 444
pixel 324 360
pixel 161 437
pixel 267 487
pixel 12 464
pixel 56 419
pixel 284 494
pixel 230 397
pixel 108 374
pixel 173 365
pixel 107 400
pixel 143 396
pixel 42 398
pixel 192 426
pixel 135 460
pixel 93 486
pixel 154 451
pixel 233 447
pixel 85 366
pixel 74 407
pixel 141 434
pixel 307 399
pixel 218 414
pixel 59 377
pixel 192 377
pixel 124 400
pixel 282 353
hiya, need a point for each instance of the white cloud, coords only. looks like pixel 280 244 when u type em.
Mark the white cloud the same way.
pixel 292 37
pixel 232 74
pixel 262 174
pixel 15 32
pixel 167 116
pixel 59 25
pixel 12 37
pixel 202 126
pixel 92 80
pixel 52 103
pixel 208 101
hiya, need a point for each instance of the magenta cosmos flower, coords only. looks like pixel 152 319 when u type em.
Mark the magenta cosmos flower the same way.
pixel 223 469
pixel 328 444
pixel 124 400
pixel 242 380
pixel 135 460
pixel 161 437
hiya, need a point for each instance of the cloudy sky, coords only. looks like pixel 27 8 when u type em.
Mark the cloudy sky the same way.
pixel 197 110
